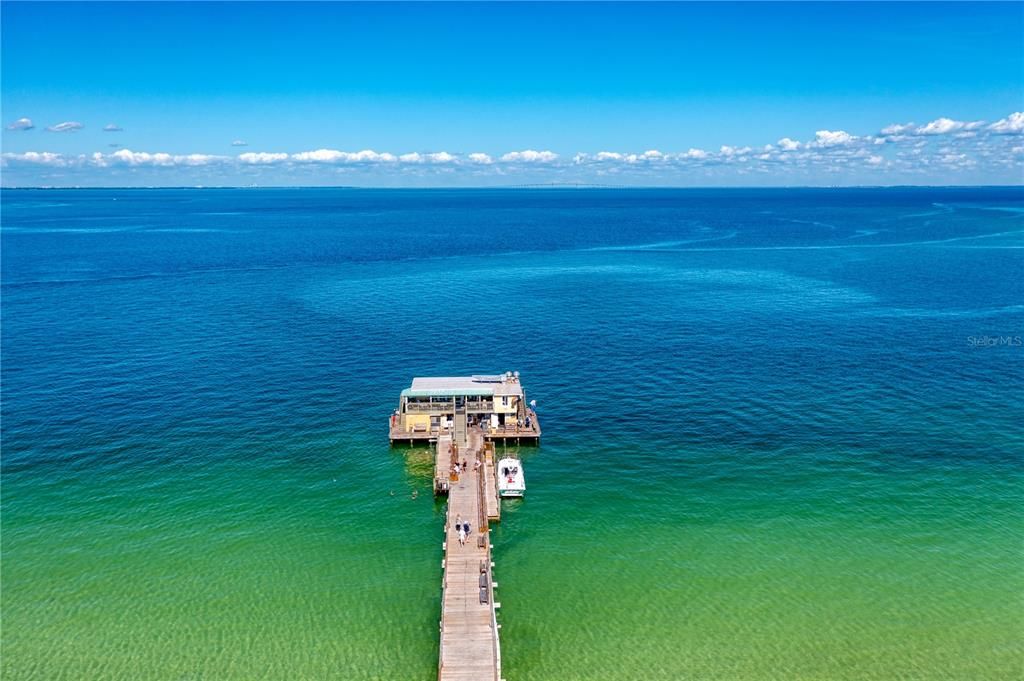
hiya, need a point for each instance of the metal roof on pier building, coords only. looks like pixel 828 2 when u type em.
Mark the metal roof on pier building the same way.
pixel 469 386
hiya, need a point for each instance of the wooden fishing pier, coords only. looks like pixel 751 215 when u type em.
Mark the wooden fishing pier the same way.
pixel 464 417
pixel 470 646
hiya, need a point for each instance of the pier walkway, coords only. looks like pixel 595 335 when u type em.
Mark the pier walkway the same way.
pixel 489 470
pixel 470 649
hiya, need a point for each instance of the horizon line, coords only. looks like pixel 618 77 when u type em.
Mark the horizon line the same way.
pixel 565 185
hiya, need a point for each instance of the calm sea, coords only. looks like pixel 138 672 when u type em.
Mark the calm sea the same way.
pixel 783 431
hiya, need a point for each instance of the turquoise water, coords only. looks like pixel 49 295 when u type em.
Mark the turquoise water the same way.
pixel 781 436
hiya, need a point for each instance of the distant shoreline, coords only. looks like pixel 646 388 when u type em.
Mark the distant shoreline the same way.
pixel 534 186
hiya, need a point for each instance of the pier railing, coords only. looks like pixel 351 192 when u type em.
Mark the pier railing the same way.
pixel 485 532
pixel 431 432
pixel 429 408
pixel 447 407
pixel 494 624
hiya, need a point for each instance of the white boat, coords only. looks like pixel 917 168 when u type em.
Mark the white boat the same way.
pixel 511 481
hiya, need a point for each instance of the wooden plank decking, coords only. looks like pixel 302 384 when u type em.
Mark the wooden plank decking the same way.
pixel 442 464
pixel 505 433
pixel 470 648
pixel 491 483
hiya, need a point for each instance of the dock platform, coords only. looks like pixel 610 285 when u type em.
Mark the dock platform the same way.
pixel 509 434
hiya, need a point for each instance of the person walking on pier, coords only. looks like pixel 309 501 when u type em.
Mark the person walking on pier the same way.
pixel 462 535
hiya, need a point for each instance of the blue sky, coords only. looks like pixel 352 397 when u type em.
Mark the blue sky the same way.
pixel 426 94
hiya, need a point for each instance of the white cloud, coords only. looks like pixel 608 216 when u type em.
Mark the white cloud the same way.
pixel 1011 125
pixel 21 124
pixel 897 129
pixel 437 157
pixel 66 126
pixel 45 158
pixel 239 143
pixel 957 160
pixel 832 138
pixel 138 158
pixel 112 127
pixel 335 156
pixel 610 158
pixel 198 159
pixel 530 156
pixel 729 151
pixel 159 159
pixel 262 157
pixel 940 126
pixel 646 157
pixel 907 148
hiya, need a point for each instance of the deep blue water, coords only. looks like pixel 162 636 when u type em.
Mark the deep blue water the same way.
pixel 803 382
pixel 839 299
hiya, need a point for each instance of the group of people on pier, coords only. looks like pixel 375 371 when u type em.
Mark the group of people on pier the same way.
pixel 462 528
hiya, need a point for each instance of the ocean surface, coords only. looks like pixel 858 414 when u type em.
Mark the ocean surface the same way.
pixel 783 431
